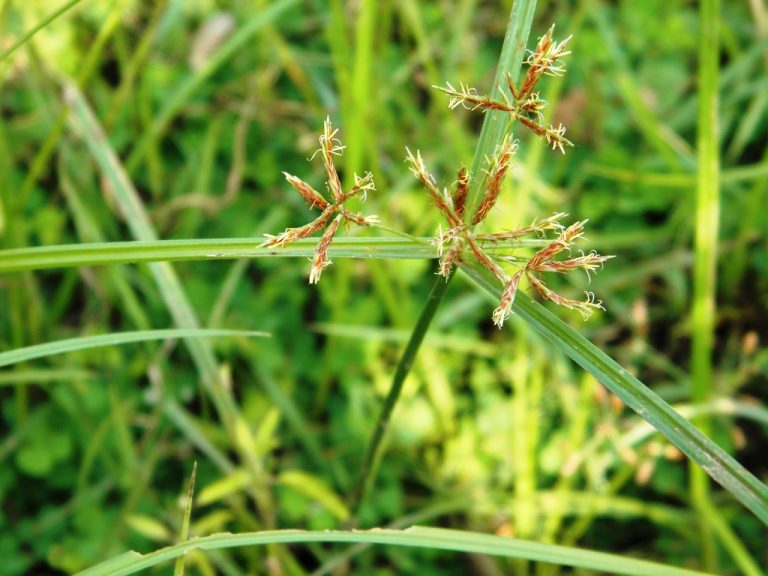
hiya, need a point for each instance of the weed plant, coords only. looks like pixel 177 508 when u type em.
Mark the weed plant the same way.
pixel 142 147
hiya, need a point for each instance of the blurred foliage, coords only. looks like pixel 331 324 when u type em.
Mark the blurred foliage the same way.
pixel 495 432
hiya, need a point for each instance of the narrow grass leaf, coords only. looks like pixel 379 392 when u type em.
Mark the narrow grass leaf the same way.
pixel 164 275
pixel 720 466
pixel 114 339
pixel 314 488
pixel 39 26
pixel 148 251
pixel 416 537
pixel 110 253
pixel 42 376
pixel 172 105
pixel 178 569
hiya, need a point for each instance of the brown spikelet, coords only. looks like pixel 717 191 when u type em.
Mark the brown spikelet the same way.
pixel 420 171
pixel 460 195
pixel 450 259
pixel 541 226
pixel 293 234
pixel 329 147
pixel 321 260
pixel 499 164
pixel 486 260
pixel 468 98
pixel 544 60
pixel 562 242
pixel 310 195
pixel 585 307
pixel 504 309
pixel 357 219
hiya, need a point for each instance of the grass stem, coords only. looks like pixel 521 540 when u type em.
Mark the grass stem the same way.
pixel 493 131
pixel 705 252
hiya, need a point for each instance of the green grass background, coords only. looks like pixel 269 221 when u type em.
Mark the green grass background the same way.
pixel 496 431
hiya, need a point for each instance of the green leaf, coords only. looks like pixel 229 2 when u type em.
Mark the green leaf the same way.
pixel 220 489
pixel 111 253
pixel 315 489
pixel 720 466
pixel 178 569
pixel 85 342
pixel 416 537
pixel 148 527
pixel 39 26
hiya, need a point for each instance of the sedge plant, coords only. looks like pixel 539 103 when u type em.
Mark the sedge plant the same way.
pixel 500 262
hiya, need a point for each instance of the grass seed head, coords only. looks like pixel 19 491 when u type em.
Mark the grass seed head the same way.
pixel 320 261
pixel 461 192
pixel 310 195
pixel 504 310
pixel 330 146
pixel 497 170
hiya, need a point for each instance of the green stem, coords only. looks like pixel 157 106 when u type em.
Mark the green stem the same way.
pixel 705 261
pixel 493 130
pixel 376 444
pixel 35 29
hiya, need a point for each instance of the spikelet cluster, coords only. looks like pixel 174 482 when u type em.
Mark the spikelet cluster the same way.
pixel 332 211
pixel 524 104
pixel 459 239
pixel 522 101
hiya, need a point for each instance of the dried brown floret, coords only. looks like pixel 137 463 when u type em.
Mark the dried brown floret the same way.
pixel 330 146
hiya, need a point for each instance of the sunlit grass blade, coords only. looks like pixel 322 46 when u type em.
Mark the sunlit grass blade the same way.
pixel 142 229
pixel 720 466
pixel 110 253
pixel 705 250
pixel 171 288
pixel 39 26
pixel 178 568
pixel 261 18
pixel 416 537
pixel 44 376
pixel 18 355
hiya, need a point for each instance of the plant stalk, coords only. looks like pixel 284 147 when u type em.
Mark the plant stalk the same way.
pixel 494 128
pixel 705 260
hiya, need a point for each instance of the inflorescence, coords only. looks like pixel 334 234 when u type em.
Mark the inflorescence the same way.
pixel 451 243
pixel 330 146
pixel 522 103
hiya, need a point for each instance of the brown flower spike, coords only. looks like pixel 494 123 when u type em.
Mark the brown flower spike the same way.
pixel 522 103
pixel 460 236
pixel 330 146
pixel 525 105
